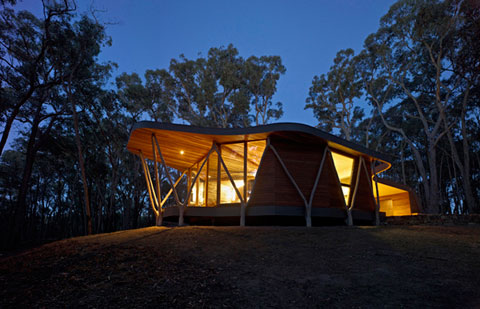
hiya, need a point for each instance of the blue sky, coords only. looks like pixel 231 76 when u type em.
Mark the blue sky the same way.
pixel 146 34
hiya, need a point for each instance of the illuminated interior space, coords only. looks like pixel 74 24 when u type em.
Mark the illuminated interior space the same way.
pixel 395 199
pixel 242 160
pixel 344 168
pixel 287 172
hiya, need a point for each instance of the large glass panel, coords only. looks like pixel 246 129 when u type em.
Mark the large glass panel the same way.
pixel 344 167
pixel 202 192
pixel 197 197
pixel 254 155
pixel 193 195
pixel 233 156
pixel 212 180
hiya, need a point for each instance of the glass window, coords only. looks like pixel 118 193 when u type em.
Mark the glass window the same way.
pixel 344 167
pixel 193 195
pixel 254 155
pixel 233 156
pixel 204 192
pixel 197 197
pixel 212 180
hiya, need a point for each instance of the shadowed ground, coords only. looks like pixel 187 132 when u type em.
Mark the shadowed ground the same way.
pixel 251 267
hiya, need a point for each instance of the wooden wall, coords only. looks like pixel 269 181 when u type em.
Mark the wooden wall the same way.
pixel 396 204
pixel 364 198
pixel 329 192
pixel 302 159
pixel 273 187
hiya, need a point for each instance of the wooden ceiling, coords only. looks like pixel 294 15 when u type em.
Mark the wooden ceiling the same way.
pixel 182 145
pixel 183 149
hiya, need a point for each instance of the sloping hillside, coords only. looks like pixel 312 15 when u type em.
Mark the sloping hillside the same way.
pixel 250 267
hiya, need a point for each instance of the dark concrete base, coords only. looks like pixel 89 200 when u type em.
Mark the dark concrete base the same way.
pixel 268 215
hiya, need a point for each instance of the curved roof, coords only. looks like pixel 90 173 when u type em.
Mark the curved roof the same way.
pixel 195 142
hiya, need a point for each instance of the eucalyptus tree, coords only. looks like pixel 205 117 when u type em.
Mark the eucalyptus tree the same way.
pixel 223 89
pixel 410 58
pixel 138 99
pixel 44 62
pixel 261 77
pixel 208 91
pixel 40 120
pixel 27 44
pixel 77 57
pixel 332 97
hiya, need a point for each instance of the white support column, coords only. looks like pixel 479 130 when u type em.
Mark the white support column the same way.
pixel 308 210
pixel 181 206
pixel 151 193
pixel 343 199
pixel 289 175
pixel 349 211
pixel 377 204
pixel 365 169
pixel 169 177
pixel 229 175
pixel 189 192
pixel 307 214
pixel 159 217
pixel 171 190
pixel 242 201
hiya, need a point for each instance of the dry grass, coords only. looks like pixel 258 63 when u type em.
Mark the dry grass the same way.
pixel 250 267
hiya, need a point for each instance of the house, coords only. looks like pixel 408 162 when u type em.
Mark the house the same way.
pixel 283 173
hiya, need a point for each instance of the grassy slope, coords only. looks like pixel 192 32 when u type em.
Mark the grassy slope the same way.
pixel 251 267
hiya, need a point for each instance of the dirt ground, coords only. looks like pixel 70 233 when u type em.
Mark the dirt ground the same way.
pixel 260 267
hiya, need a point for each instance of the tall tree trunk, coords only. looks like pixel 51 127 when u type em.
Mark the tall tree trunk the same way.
pixel 17 225
pixel 111 208
pixel 471 202
pixel 81 162
pixel 433 196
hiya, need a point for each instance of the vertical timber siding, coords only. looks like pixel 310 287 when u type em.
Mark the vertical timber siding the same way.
pixel 364 199
pixel 273 187
pixel 329 192
pixel 396 204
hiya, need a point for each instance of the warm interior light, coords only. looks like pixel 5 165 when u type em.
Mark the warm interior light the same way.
pixel 346 192
pixel 344 167
pixel 229 195
pixel 201 192
pixel 182 152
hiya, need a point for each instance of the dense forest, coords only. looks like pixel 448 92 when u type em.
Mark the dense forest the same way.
pixel 412 92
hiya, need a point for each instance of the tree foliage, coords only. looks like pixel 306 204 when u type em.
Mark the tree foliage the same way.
pixel 69 172
pixel 332 96
pixel 419 72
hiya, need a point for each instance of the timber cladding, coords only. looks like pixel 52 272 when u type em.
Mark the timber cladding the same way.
pixel 396 204
pixel 302 161
pixel 364 199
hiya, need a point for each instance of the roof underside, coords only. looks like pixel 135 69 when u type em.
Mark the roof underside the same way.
pixel 195 142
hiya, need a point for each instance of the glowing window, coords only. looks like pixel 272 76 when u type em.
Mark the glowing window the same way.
pixel 204 191
pixel 344 167
pixel 233 156
pixel 255 153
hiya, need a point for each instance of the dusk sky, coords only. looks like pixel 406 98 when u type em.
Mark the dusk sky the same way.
pixel 306 34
